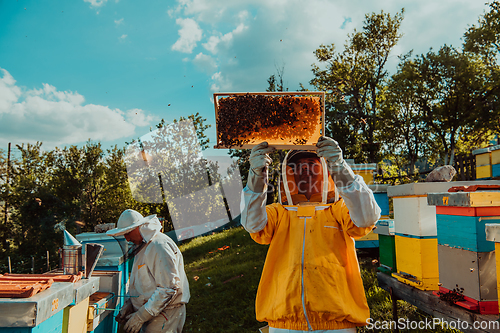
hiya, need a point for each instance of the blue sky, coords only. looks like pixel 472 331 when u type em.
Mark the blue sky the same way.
pixel 109 70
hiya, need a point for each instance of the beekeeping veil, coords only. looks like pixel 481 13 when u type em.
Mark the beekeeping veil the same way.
pixel 131 219
pixel 288 190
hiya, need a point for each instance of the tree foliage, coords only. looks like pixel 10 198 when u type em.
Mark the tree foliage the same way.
pixel 354 80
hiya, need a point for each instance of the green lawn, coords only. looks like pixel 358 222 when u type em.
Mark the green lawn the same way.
pixel 224 272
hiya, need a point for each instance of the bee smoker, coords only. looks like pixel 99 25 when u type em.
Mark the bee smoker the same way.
pixel 72 258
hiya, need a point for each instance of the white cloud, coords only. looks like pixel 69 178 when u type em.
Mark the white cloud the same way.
pixel 214 42
pixel 220 83
pixel 137 117
pixel 189 35
pixel 96 3
pixel 9 92
pixel 118 22
pixel 60 118
pixel 123 37
pixel 247 38
pixel 205 63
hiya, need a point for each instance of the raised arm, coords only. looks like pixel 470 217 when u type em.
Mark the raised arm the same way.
pixel 253 201
pixel 359 199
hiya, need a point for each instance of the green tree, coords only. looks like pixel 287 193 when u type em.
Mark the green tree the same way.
pixel 483 40
pixel 4 192
pixel 79 178
pixel 116 195
pixel 451 90
pixel 404 130
pixel 34 210
pixel 354 80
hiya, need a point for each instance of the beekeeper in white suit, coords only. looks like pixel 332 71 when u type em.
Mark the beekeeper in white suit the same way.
pixel 159 288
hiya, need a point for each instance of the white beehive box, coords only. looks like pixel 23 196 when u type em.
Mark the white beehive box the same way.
pixel 412 215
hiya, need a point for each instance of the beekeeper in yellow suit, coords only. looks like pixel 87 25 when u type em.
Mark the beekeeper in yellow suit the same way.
pixel 159 288
pixel 311 279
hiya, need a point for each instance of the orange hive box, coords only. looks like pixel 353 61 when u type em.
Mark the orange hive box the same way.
pixel 283 119
pixel 47 276
pixel 22 288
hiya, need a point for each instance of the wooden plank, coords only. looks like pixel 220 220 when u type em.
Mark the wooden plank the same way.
pixel 465 199
pixel 482 199
pixel 432 305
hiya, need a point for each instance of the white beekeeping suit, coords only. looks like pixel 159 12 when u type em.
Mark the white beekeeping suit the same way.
pixel 159 288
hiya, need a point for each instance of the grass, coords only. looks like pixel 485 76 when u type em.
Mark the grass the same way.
pixel 224 272
pixel 223 282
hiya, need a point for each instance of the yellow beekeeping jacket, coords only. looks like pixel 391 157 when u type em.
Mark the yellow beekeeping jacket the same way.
pixel 311 273
pixel 311 278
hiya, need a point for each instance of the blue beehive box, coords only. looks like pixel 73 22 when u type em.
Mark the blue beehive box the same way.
pixel 461 218
pixel 465 232
pixel 380 194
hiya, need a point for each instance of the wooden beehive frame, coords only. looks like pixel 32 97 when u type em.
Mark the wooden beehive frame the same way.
pixel 320 94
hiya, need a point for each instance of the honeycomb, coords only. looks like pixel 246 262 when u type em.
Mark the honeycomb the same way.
pixel 282 120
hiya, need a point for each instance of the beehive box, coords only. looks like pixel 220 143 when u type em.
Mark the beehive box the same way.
pixel 493 235
pixel 417 262
pixel 387 254
pixel 483 162
pixel 495 161
pixel 365 170
pixel 471 274
pixel 75 317
pixel 384 227
pixel 283 119
pixel 380 194
pixel 412 214
pixel 367 241
pixel 461 218
pixel 96 313
pixel 387 246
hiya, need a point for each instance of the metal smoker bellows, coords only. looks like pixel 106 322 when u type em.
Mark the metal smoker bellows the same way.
pixel 72 254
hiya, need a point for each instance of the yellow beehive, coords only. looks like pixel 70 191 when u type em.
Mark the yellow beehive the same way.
pixel 483 159
pixel 483 162
pixel 495 156
pixel 365 170
pixel 483 171
pixel 417 262
pixel 75 317
pixel 371 236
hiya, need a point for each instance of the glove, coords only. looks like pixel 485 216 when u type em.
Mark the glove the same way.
pixel 259 163
pixel 136 320
pixel 340 171
pixel 126 309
